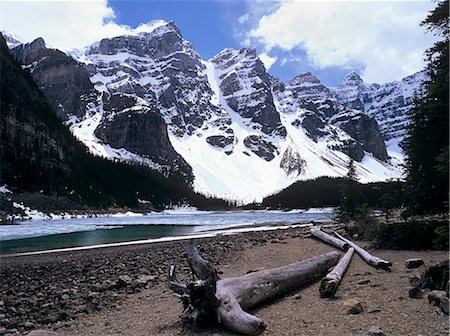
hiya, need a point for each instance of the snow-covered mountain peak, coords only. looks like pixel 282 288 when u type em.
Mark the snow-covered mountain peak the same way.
pixel 222 59
pixel 304 78
pixel 308 86
pixel 352 79
pixel 11 39
pixel 151 26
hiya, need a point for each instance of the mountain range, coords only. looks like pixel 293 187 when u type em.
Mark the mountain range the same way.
pixel 224 125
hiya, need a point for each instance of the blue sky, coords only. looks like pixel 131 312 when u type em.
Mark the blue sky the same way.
pixel 381 40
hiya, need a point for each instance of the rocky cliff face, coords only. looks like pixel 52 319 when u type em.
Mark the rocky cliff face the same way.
pixel 28 145
pixel 151 98
pixel 64 81
pixel 246 88
pixel 387 103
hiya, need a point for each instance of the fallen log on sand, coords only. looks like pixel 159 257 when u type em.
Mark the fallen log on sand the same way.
pixel 211 299
pixel 370 259
pixel 330 283
pixel 318 233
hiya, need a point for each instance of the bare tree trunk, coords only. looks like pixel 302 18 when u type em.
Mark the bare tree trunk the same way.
pixel 224 299
pixel 370 259
pixel 330 283
pixel 318 233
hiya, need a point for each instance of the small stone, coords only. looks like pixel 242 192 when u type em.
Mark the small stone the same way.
pixel 29 325
pixel 352 306
pixel 124 280
pixel 93 295
pixel 374 331
pixel 374 310
pixel 145 279
pixel 65 297
pixel 297 297
pixel 414 263
pixel 415 293
pixel 363 282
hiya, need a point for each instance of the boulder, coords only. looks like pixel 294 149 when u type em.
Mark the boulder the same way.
pixel 435 297
pixel 436 277
pixel 414 263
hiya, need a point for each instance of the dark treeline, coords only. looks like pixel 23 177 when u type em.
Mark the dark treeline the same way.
pixel 327 191
pixel 427 142
pixel 39 155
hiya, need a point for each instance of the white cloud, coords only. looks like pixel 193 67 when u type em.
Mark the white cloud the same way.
pixel 385 37
pixel 62 24
pixel 267 60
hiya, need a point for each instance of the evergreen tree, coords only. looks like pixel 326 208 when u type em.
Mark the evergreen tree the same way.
pixel 349 198
pixel 427 140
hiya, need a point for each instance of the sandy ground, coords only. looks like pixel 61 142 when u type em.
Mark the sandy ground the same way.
pixel 384 297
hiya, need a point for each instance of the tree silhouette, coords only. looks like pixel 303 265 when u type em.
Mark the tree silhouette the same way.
pixel 427 139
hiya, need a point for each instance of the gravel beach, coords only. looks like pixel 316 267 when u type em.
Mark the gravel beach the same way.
pixel 122 290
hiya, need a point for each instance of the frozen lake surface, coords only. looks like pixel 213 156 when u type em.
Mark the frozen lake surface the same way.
pixel 44 234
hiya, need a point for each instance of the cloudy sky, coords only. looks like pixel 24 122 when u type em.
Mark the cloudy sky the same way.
pixel 381 40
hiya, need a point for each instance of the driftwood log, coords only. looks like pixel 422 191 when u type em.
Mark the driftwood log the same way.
pixel 370 259
pixel 212 299
pixel 330 283
pixel 336 242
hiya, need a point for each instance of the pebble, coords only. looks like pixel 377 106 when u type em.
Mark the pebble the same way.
pixel 352 306
pixel 374 310
pixel 297 297
pixel 374 331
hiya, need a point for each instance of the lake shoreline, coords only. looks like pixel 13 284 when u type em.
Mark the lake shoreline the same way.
pixel 229 231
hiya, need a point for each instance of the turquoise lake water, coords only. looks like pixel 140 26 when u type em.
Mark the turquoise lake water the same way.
pixel 41 235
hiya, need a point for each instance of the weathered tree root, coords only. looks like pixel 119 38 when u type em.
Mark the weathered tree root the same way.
pixel 223 300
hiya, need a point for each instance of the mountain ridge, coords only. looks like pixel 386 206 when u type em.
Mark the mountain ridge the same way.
pixel 244 133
